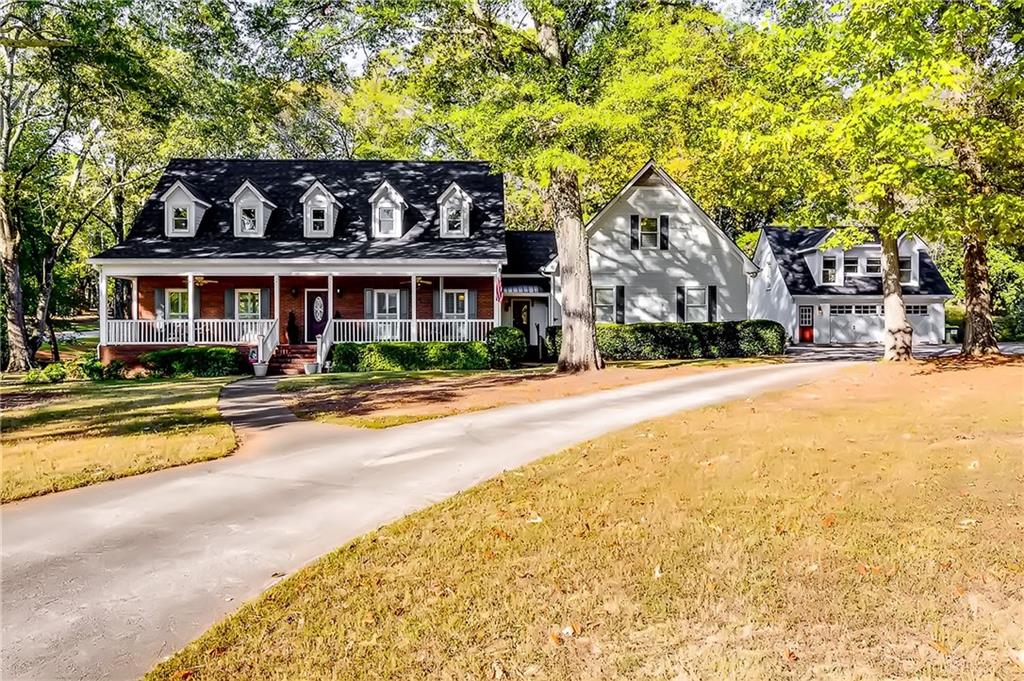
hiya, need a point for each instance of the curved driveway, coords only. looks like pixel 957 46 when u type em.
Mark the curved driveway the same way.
pixel 104 581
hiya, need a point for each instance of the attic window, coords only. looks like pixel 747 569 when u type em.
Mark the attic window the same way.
pixel 318 220
pixel 828 269
pixel 455 206
pixel 386 220
pixel 249 221
pixel 179 220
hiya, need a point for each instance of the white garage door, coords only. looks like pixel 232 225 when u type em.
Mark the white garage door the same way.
pixel 856 324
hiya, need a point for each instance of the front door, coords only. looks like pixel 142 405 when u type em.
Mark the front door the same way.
pixel 806 323
pixel 316 313
pixel 521 317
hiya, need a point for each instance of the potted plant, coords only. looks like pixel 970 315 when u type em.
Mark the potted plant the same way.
pixel 312 367
pixel 260 369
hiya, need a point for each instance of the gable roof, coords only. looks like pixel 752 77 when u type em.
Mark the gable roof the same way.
pixel 652 168
pixel 189 189
pixel 351 183
pixel 528 252
pixel 789 244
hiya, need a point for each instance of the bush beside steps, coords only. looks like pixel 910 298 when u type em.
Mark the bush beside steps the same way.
pixel 677 340
pixel 504 349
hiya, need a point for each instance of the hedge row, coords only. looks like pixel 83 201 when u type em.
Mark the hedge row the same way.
pixel 195 361
pixel 398 356
pixel 672 340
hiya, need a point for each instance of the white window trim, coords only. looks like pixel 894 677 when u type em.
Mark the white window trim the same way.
pixel 614 305
pixel 189 213
pixel 167 303
pixel 869 258
pixel 912 279
pixel 398 304
pixel 687 307
pixel 322 231
pixel 918 309
pixel 248 196
pixel 396 213
pixel 179 196
pixel 259 303
pixel 838 271
pixel 445 314
pixel 857 268
pixel 657 233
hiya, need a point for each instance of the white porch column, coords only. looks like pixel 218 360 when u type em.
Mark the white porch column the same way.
pixel 277 303
pixel 330 299
pixel 497 303
pixel 191 310
pixel 135 298
pixel 412 305
pixel 102 305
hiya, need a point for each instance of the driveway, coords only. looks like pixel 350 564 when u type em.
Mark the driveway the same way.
pixel 104 581
pixel 865 353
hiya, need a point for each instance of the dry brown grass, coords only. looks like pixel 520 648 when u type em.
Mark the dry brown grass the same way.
pixel 385 399
pixel 865 527
pixel 60 436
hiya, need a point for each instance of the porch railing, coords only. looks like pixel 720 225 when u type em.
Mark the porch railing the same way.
pixel 268 342
pixel 428 330
pixel 176 331
pixel 323 344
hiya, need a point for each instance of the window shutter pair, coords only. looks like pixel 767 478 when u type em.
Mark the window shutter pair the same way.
pixel 681 303
pixel 229 303
pixel 620 304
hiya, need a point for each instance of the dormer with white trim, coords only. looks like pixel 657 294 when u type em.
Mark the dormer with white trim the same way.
pixel 454 206
pixel 387 209
pixel 183 210
pixel 251 211
pixel 320 210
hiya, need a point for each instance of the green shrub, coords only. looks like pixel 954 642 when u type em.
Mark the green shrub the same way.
pixel 114 369
pixel 54 372
pixel 35 376
pixel 194 361
pixel 90 367
pixel 506 347
pixel 673 340
pixel 408 356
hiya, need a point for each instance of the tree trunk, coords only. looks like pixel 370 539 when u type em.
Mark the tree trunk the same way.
pixel 43 302
pixel 54 345
pixel 17 338
pixel 579 343
pixel 898 332
pixel 979 331
pixel 122 287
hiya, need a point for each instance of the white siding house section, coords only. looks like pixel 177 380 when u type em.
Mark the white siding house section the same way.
pixel 698 254
pixel 769 298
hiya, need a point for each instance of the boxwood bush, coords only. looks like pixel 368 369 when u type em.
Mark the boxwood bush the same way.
pixel 195 361
pixel 399 356
pixel 506 347
pixel 673 340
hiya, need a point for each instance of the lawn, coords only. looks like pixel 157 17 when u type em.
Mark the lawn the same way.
pixel 869 526
pixel 59 436
pixel 385 399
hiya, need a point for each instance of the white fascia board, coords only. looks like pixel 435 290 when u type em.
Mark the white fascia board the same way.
pixel 251 187
pixel 178 184
pixel 267 267
pixel 318 185
pixel 878 297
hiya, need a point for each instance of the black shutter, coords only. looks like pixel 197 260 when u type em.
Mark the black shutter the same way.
pixel 159 302
pixel 663 232
pixel 265 303
pixel 634 232
pixel 681 303
pixel 712 303
pixel 367 303
pixel 229 303
pixel 620 304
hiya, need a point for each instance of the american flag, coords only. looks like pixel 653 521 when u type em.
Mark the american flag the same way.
pixel 499 292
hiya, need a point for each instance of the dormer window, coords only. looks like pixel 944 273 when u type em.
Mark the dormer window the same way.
pixel 249 221
pixel 179 219
pixel 455 207
pixel 183 209
pixel 386 220
pixel 251 210
pixel 387 210
pixel 319 211
pixel 828 269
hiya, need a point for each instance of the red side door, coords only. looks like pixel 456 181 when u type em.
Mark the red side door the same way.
pixel 806 323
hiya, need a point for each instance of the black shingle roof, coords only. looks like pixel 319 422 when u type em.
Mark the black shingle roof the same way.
pixel 528 251
pixel 787 243
pixel 352 182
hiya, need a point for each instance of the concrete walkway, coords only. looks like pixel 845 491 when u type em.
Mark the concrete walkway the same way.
pixel 104 581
